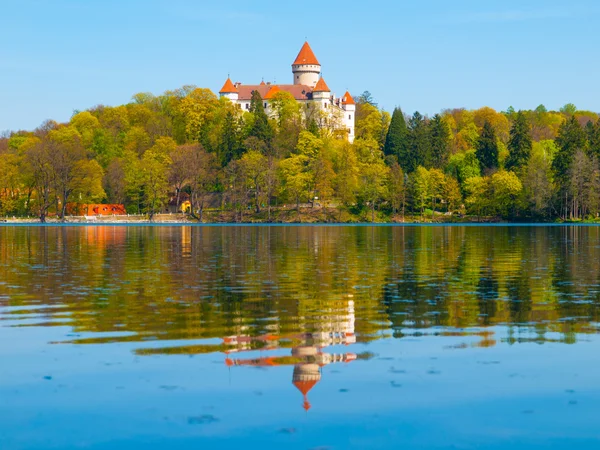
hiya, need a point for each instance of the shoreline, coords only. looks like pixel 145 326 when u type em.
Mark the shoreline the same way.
pixel 174 223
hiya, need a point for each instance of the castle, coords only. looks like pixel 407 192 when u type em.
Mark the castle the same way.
pixel 308 88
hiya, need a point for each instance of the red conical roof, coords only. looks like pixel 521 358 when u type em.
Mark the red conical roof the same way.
pixel 321 86
pixel 305 386
pixel 274 90
pixel 347 99
pixel 228 88
pixel 306 56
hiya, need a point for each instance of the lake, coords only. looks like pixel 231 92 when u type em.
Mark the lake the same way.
pixel 299 337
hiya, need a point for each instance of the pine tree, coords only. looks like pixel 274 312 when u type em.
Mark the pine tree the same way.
pixel 230 144
pixel 593 135
pixel 419 150
pixel 571 137
pixel 396 140
pixel 520 143
pixel 312 127
pixel 440 142
pixel 487 149
pixel 261 129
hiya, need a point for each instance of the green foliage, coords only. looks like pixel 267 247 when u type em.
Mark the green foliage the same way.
pixel 396 141
pixel 520 144
pixel 189 142
pixel 571 137
pixel 261 129
pixel 487 149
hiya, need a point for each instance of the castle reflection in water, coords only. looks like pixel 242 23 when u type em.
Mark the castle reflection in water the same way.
pixel 307 353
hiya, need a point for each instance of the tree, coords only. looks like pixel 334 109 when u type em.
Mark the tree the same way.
pixel 487 149
pixel 571 137
pixel 197 109
pixel 345 165
pixel 439 136
pixel 476 197
pixel 230 145
pixel 39 161
pixel 202 173
pixel 420 145
pixel 396 187
pixel 463 166
pixel 254 165
pixel 420 188
pixel 569 109
pixel 260 129
pixel 373 181
pixel 114 181
pixel 180 174
pixel 519 144
pixel 593 132
pixel 154 168
pixel 537 184
pixel 396 141
pixel 66 165
pixel 452 194
pixel 505 188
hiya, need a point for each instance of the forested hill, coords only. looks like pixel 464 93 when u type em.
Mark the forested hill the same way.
pixel 187 143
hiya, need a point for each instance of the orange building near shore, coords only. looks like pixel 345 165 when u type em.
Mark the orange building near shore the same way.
pixel 77 209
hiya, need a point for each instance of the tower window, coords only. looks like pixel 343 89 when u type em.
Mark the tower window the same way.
pixel 349 116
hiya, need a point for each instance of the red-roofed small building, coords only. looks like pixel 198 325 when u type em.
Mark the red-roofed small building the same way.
pixel 308 88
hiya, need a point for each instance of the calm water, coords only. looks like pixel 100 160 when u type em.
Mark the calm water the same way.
pixel 299 337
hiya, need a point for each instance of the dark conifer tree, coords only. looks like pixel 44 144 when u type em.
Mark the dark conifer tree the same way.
pixel 312 127
pixel 440 142
pixel 419 150
pixel 487 149
pixel 519 144
pixel 593 134
pixel 571 137
pixel 396 140
pixel 230 146
pixel 261 128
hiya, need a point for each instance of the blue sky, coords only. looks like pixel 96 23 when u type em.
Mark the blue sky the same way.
pixel 60 55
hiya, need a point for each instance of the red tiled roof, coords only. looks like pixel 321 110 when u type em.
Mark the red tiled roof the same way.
pixel 306 56
pixel 228 88
pixel 298 91
pixel 321 86
pixel 347 99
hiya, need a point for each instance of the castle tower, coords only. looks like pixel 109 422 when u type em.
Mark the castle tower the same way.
pixel 304 377
pixel 321 90
pixel 306 67
pixel 349 107
pixel 229 91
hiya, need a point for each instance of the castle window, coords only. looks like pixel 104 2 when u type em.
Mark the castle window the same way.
pixel 247 105
pixel 325 105
pixel 349 116
pixel 265 104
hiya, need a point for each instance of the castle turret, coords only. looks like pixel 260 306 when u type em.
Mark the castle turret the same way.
pixel 306 67
pixel 229 91
pixel 321 90
pixel 349 111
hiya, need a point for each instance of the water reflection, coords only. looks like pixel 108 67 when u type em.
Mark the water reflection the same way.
pixel 289 294
pixel 187 283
